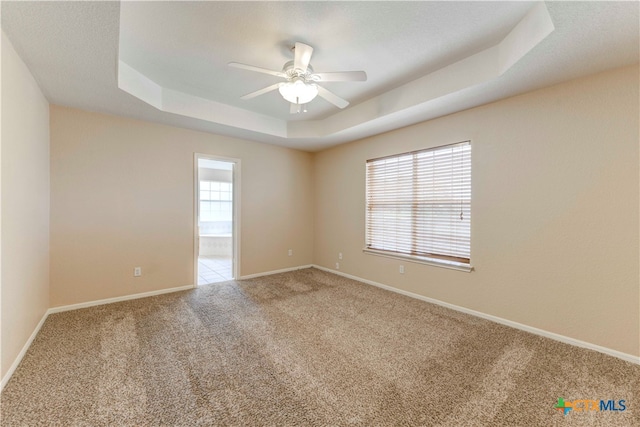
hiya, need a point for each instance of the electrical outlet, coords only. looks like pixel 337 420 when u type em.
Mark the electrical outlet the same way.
pixel 290 252
pixel 337 266
pixel 402 269
pixel 137 272
pixel 340 255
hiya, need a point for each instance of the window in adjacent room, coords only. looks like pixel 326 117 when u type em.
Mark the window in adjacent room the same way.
pixel 419 206
pixel 216 202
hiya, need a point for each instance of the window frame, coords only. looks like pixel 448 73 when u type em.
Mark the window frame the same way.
pixel 226 201
pixel 446 261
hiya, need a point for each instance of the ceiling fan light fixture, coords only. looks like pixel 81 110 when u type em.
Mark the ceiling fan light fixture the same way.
pixel 298 91
pixel 300 87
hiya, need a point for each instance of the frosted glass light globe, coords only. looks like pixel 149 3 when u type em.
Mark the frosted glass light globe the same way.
pixel 298 92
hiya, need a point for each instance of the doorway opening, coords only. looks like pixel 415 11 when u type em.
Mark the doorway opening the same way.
pixel 216 219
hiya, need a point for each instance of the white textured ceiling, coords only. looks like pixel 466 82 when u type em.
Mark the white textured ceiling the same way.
pixel 187 47
pixel 74 48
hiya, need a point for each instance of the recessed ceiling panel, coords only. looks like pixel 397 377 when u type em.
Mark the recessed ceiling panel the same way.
pixel 422 59
pixel 186 46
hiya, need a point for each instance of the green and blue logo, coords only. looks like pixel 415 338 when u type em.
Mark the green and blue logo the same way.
pixel 589 405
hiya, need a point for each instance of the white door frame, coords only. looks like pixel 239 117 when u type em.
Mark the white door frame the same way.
pixel 236 212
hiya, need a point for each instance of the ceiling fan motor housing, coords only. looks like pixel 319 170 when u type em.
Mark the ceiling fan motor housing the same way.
pixel 292 72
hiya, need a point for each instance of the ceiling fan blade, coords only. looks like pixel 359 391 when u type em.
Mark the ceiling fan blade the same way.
pixel 295 108
pixel 257 69
pixel 302 56
pixel 332 97
pixel 341 76
pixel 261 91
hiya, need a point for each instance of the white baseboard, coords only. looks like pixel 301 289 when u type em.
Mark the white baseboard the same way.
pixel 26 346
pixel 70 307
pixel 531 329
pixel 269 273
pixel 557 337
pixel 60 309
pixel 116 299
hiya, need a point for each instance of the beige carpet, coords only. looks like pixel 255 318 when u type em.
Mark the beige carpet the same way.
pixel 303 348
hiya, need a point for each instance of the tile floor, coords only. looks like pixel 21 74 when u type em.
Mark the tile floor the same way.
pixel 212 269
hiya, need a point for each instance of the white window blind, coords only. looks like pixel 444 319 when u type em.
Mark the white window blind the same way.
pixel 419 203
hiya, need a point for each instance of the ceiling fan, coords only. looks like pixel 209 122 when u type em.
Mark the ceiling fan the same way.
pixel 301 85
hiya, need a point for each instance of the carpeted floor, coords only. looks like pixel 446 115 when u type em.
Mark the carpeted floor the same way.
pixel 304 348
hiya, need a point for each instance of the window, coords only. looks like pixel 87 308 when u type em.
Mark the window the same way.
pixel 419 205
pixel 216 201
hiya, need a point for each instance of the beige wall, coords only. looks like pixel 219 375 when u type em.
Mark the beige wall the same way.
pixel 555 236
pixel 122 196
pixel 554 210
pixel 25 205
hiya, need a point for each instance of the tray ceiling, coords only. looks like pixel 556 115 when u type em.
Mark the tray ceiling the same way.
pixel 167 61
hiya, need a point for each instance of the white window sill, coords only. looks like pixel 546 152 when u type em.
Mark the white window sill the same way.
pixel 453 265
